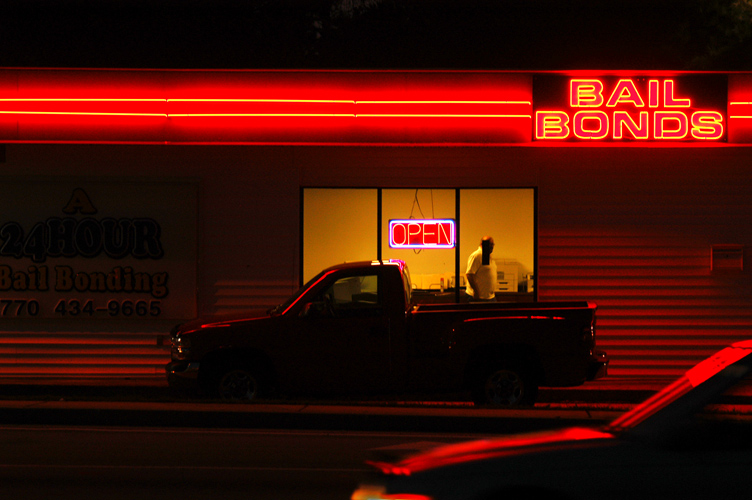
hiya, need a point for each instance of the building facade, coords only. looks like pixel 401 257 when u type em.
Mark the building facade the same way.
pixel 134 200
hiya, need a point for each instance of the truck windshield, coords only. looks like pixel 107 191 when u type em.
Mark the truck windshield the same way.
pixel 295 296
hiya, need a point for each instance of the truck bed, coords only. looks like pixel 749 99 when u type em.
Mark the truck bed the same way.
pixel 506 306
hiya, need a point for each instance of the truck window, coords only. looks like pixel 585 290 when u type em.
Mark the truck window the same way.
pixel 354 295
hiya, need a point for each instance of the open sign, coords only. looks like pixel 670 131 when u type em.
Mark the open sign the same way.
pixel 422 233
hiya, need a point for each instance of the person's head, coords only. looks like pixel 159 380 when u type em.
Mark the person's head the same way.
pixel 487 242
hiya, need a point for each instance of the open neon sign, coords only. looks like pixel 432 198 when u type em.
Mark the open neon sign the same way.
pixel 422 233
pixel 628 109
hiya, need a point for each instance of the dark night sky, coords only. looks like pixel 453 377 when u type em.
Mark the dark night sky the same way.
pixel 501 34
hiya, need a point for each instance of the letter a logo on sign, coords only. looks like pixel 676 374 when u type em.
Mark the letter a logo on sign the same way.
pixel 79 203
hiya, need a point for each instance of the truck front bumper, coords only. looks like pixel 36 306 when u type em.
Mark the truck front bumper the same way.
pixel 182 374
pixel 597 365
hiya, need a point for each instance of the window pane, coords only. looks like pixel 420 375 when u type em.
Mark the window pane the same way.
pixel 507 215
pixel 430 268
pixel 339 225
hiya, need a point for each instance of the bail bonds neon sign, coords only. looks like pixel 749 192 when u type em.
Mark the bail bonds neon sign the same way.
pixel 634 109
pixel 421 233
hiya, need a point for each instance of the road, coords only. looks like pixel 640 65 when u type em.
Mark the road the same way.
pixel 40 462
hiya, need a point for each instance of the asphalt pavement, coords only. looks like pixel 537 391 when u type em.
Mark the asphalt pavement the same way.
pixel 149 402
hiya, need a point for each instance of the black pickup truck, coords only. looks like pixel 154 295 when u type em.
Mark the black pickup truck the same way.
pixel 353 329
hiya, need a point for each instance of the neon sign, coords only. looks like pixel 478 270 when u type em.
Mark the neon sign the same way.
pixel 633 109
pixel 422 233
pixel 265 107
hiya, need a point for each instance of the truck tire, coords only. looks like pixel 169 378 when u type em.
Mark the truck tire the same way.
pixel 239 383
pixel 505 385
pixel 235 376
pixel 232 380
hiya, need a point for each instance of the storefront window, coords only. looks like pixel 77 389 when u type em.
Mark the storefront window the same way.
pixel 342 225
pixel 432 270
pixel 339 225
pixel 508 216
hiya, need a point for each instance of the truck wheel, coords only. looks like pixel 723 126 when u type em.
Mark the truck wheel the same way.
pixel 505 386
pixel 239 383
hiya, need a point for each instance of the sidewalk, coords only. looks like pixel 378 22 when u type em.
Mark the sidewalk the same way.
pixel 148 402
pixel 610 390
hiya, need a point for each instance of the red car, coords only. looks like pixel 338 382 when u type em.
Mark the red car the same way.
pixel 667 447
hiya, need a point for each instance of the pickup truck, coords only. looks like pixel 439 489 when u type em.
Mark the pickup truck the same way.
pixel 353 329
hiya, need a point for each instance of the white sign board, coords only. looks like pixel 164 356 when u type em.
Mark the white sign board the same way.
pixel 115 249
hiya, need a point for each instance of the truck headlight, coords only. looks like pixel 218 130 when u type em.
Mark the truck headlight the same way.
pixel 180 349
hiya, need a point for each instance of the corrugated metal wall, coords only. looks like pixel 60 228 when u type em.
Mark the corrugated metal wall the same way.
pixel 250 211
pixel 71 354
pixel 632 230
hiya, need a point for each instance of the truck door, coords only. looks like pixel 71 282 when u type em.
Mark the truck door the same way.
pixel 346 337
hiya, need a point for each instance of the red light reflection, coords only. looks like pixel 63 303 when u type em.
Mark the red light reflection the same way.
pixel 698 374
pixel 485 449
pixel 264 107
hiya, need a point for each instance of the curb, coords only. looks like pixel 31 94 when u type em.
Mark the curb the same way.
pixel 298 416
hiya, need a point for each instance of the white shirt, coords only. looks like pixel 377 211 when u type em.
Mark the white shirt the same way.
pixel 485 276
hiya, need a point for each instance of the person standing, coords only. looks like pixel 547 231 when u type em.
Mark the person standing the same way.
pixel 481 273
